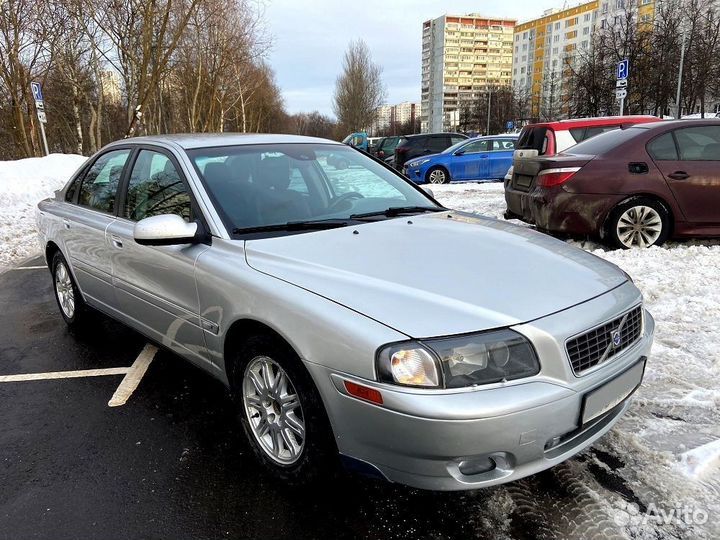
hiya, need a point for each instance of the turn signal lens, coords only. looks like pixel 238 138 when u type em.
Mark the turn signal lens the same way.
pixel 408 365
pixel 555 177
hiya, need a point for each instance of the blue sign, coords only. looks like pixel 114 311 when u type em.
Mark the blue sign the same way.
pixel 623 69
pixel 36 91
pixel 509 125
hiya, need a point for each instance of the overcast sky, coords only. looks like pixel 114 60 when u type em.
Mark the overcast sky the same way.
pixel 310 38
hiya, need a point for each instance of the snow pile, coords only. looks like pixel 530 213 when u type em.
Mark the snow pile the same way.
pixel 23 184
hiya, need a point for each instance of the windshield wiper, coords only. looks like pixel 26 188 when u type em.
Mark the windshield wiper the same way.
pixel 394 211
pixel 316 225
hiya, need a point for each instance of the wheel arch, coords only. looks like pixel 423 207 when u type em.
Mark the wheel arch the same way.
pixel 242 329
pixel 437 166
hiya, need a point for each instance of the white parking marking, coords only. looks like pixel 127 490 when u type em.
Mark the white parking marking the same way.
pixel 29 268
pixel 133 377
pixel 63 374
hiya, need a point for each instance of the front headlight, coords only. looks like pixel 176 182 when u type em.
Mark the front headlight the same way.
pixel 421 162
pixel 458 361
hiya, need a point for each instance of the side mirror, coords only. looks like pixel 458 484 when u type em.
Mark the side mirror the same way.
pixel 460 153
pixel 165 230
pixel 428 191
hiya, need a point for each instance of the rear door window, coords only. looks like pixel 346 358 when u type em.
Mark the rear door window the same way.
pixel 663 148
pixel 100 184
pixel 699 143
pixel 438 143
pixel 500 145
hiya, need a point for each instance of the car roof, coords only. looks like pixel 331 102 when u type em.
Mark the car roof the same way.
pixel 203 140
pixel 597 121
pixel 416 135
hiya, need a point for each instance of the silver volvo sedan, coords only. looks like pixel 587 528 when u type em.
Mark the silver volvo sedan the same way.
pixel 353 318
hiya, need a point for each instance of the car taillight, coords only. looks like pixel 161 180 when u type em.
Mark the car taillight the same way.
pixel 400 150
pixel 555 177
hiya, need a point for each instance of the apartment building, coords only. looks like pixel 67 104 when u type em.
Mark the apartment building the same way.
pixel 540 49
pixel 462 55
pixel 402 113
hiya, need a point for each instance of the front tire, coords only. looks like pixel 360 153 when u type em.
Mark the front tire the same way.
pixel 281 412
pixel 438 175
pixel 72 306
pixel 639 222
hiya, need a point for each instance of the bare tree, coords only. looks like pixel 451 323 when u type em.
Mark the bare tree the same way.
pixel 359 89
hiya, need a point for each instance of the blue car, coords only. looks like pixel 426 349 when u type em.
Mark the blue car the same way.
pixel 479 159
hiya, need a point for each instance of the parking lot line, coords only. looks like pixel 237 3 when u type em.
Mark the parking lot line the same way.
pixel 64 374
pixel 133 376
pixel 29 268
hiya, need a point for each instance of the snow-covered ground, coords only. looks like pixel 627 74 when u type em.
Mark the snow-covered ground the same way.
pixel 663 455
pixel 22 184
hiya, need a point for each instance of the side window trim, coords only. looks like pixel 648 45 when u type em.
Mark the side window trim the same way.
pixel 86 170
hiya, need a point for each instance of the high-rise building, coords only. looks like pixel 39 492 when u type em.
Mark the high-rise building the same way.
pixel 462 56
pixel 540 50
pixel 402 113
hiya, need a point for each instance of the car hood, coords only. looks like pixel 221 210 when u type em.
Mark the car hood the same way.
pixel 438 274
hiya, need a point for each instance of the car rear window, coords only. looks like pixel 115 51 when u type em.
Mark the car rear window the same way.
pixel 533 139
pixel 600 144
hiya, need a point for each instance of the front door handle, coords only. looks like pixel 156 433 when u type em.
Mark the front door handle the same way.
pixel 117 242
pixel 679 175
pixel 66 223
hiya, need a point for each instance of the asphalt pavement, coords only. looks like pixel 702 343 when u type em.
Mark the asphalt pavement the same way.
pixel 171 463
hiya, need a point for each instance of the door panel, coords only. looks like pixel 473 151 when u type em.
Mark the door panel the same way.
pixel 693 172
pixel 155 285
pixel 473 164
pixel 85 226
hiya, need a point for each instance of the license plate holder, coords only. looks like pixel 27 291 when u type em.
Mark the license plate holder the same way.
pixel 612 393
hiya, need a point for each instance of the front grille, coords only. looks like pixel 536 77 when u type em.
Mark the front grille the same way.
pixel 596 346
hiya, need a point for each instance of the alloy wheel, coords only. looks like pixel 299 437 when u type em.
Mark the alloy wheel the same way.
pixel 437 176
pixel 64 290
pixel 273 410
pixel 639 226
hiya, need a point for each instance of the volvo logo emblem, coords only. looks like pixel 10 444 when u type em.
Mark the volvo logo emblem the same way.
pixel 616 338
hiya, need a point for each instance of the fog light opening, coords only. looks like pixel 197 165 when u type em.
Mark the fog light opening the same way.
pixel 471 467
pixel 552 443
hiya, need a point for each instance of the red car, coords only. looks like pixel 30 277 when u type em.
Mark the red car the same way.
pixel 550 138
pixel 636 186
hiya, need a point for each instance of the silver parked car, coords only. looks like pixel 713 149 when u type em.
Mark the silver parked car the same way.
pixel 350 314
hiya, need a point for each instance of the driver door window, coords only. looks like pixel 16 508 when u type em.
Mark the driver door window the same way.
pixel 475 147
pixel 156 188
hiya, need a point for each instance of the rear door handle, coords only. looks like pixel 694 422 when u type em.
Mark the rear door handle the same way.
pixel 116 242
pixel 66 223
pixel 679 175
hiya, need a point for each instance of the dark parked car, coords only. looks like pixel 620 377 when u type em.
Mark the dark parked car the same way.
pixel 385 147
pixel 423 144
pixel 549 138
pixel 637 186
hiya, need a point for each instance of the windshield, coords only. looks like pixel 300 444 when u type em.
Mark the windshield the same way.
pixel 256 186
pixel 456 146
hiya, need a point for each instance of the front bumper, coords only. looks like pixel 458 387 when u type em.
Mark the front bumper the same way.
pixel 415 174
pixel 443 440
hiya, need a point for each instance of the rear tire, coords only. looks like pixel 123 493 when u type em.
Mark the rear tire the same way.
pixel 437 175
pixel 72 306
pixel 638 222
pixel 281 412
